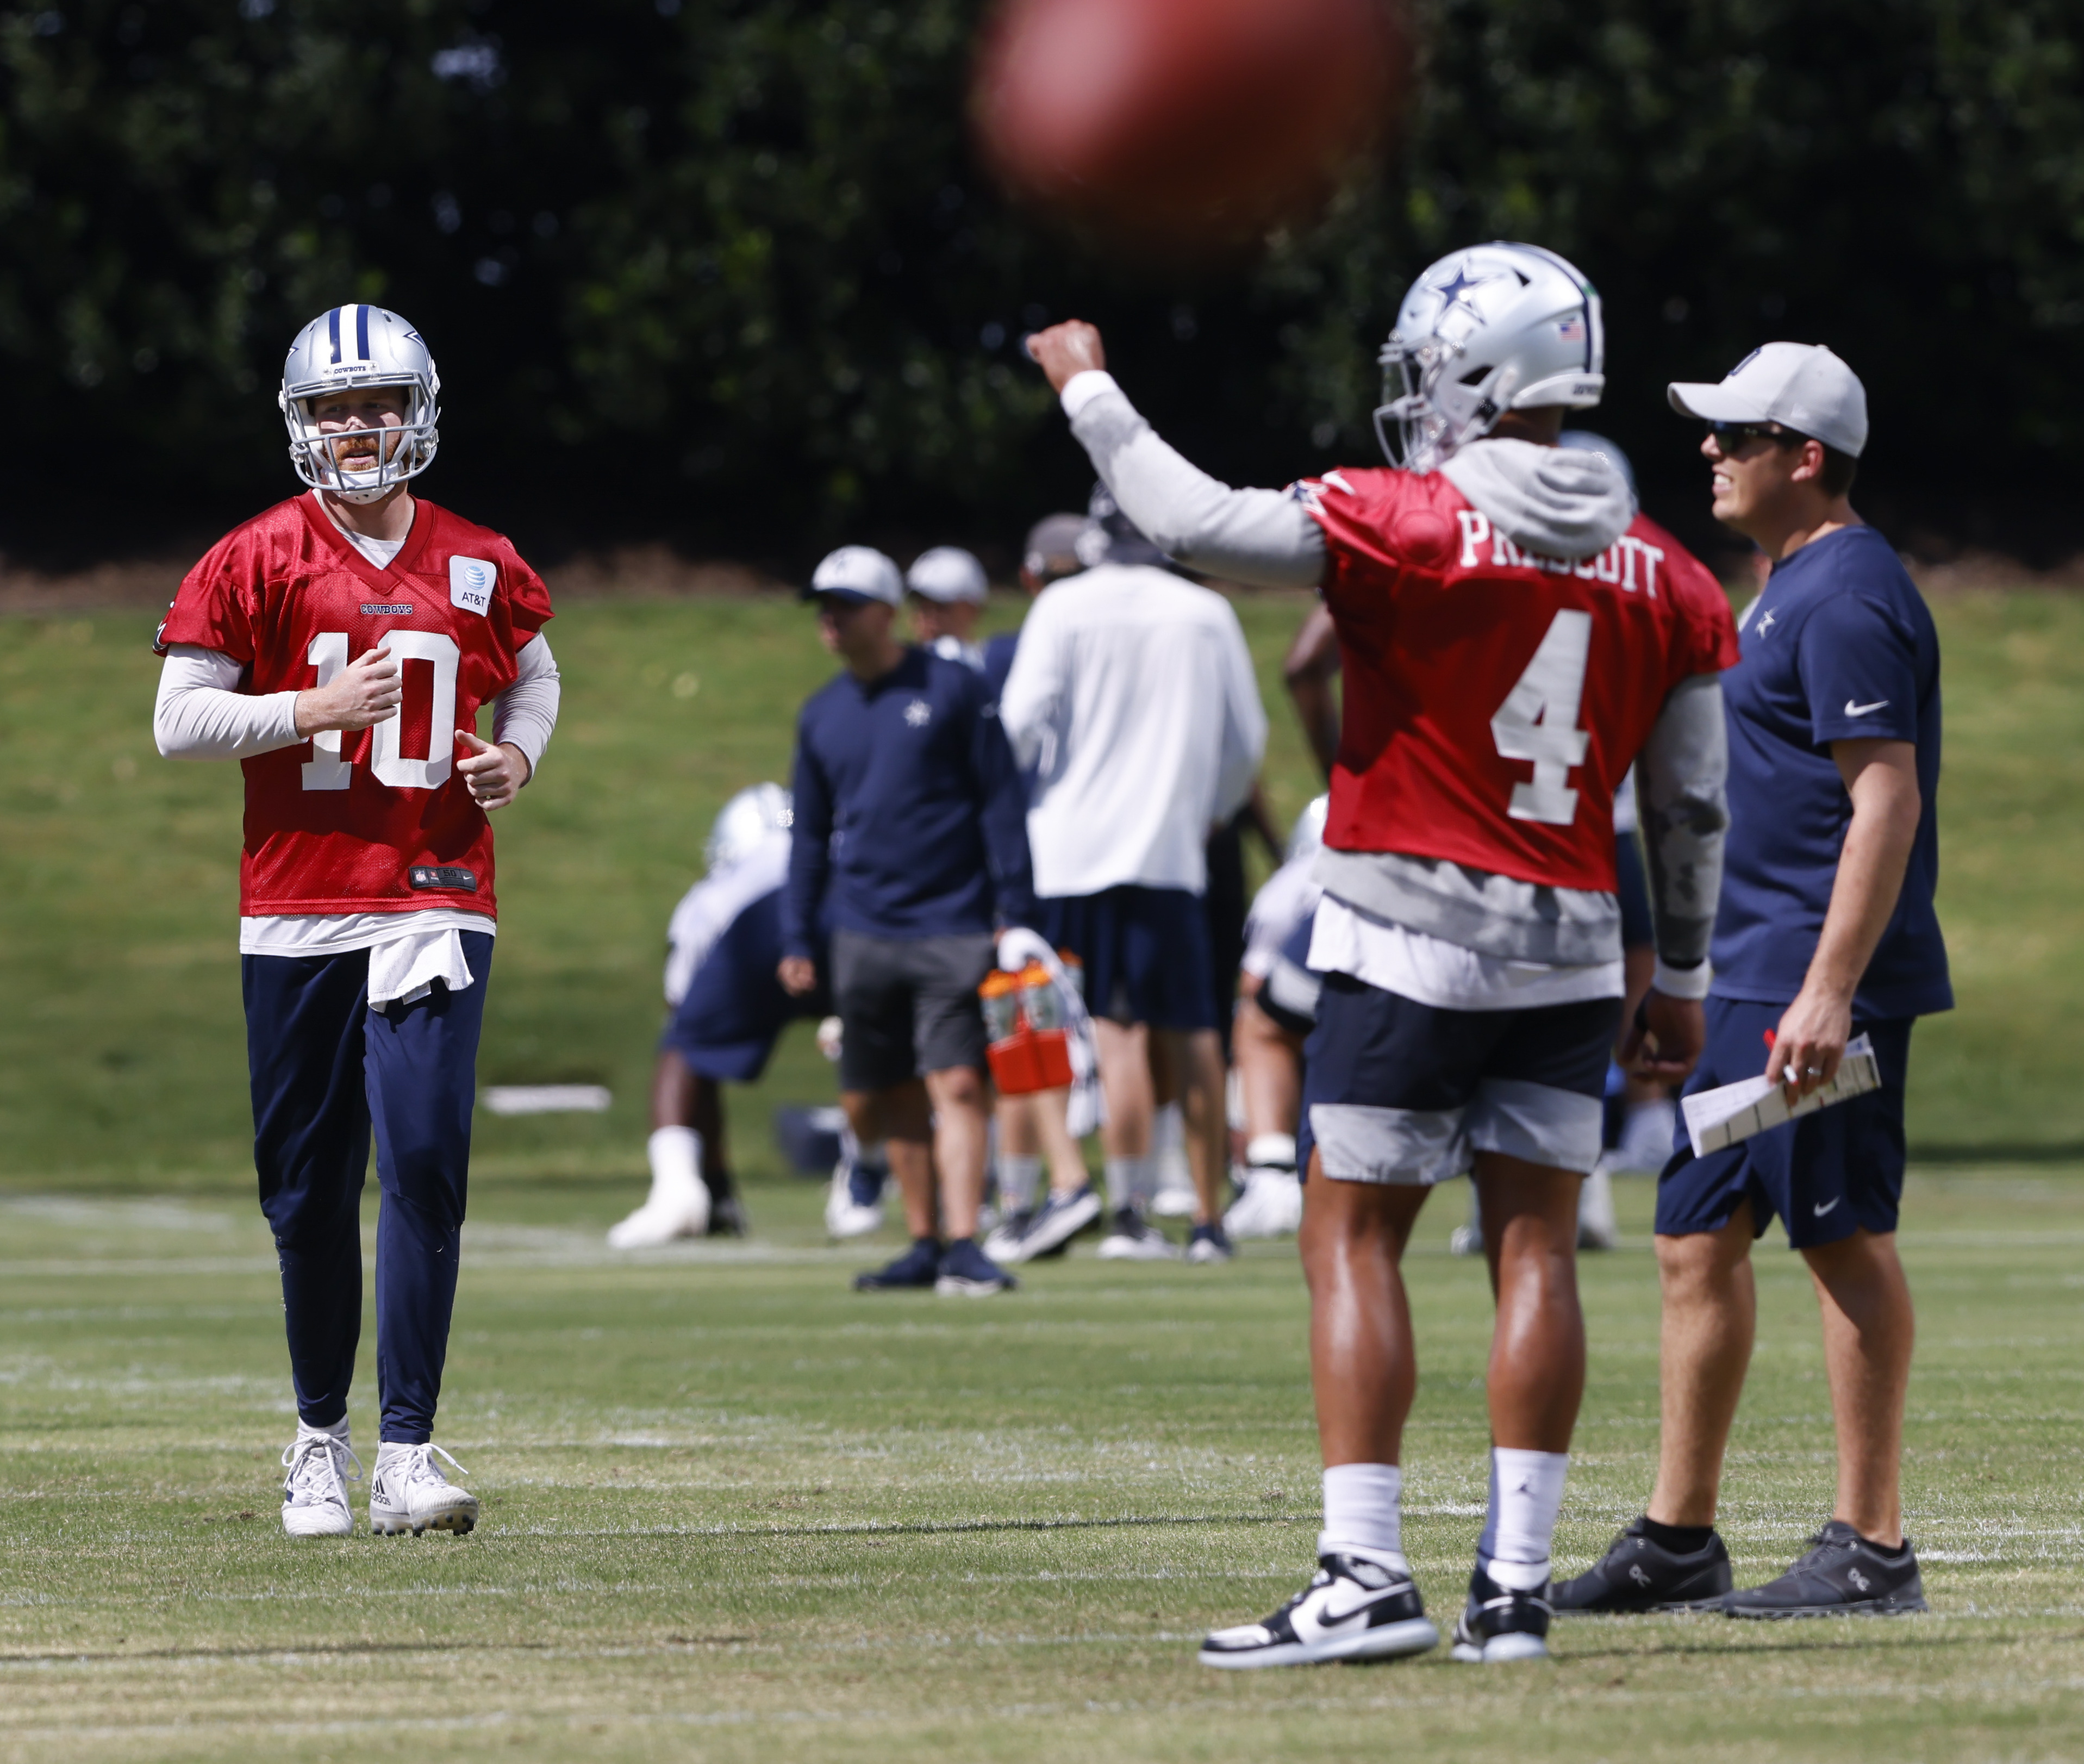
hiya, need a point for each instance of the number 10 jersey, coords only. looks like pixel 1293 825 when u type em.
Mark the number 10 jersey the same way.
pixel 379 821
pixel 1494 698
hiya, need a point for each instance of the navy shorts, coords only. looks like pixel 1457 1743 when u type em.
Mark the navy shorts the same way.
pixel 1394 1091
pixel 1632 891
pixel 1146 952
pixel 1826 1175
pixel 735 1008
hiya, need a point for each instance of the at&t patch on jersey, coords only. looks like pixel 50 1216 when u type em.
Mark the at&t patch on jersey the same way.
pixel 471 583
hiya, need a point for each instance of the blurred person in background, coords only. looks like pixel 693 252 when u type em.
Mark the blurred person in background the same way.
pixel 723 946
pixel 945 591
pixel 909 838
pixel 1132 706
pixel 1277 1008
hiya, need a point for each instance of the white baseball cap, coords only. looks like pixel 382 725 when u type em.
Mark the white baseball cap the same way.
pixel 861 571
pixel 947 573
pixel 1801 386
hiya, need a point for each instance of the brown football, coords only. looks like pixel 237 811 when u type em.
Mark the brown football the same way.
pixel 1171 124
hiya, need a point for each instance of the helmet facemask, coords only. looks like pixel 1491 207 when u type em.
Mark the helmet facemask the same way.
pixel 1435 411
pixel 324 461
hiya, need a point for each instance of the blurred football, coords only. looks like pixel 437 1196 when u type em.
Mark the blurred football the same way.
pixel 1174 124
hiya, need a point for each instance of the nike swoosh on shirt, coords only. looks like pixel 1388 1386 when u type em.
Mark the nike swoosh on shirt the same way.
pixel 1822 1209
pixel 1853 710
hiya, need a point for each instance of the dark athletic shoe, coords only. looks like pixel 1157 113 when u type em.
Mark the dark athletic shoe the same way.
pixel 1045 1231
pixel 967 1272
pixel 1637 1574
pixel 1207 1245
pixel 1352 1609
pixel 1499 1624
pixel 1842 1576
pixel 727 1214
pixel 919 1267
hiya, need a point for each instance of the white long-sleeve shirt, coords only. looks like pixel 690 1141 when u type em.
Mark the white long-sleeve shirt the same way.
pixel 1132 703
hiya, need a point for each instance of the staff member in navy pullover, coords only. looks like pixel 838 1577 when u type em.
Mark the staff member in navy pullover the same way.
pixel 909 815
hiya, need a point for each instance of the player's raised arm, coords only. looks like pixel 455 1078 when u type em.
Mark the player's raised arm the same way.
pixel 1259 537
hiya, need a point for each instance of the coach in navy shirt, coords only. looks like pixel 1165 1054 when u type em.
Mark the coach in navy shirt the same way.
pixel 911 832
pixel 1826 930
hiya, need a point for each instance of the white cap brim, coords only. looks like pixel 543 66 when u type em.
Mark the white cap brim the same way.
pixel 1713 401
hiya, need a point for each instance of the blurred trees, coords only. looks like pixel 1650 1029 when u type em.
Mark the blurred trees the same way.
pixel 727 269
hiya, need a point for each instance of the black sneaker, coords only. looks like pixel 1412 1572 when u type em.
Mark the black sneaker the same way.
pixel 1499 1624
pixel 1638 1573
pixel 1045 1231
pixel 1842 1576
pixel 726 1210
pixel 918 1267
pixel 1352 1609
pixel 1207 1245
pixel 967 1272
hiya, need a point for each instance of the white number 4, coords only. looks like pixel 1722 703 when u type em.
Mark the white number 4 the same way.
pixel 1539 721
pixel 326 770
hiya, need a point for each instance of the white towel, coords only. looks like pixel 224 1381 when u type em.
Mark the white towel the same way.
pixel 404 969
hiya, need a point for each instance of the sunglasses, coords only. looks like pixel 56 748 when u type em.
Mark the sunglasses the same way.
pixel 1730 436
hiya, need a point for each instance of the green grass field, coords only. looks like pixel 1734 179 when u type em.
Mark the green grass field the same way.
pixel 732 1510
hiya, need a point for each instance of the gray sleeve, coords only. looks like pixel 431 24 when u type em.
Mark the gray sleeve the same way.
pixel 1264 538
pixel 527 712
pixel 1684 815
pixel 201 714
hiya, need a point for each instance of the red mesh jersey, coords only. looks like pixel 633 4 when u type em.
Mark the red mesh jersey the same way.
pixel 378 821
pixel 1494 699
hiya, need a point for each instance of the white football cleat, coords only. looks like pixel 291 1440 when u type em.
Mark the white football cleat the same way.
pixel 661 1220
pixel 1270 1206
pixel 315 1490
pixel 1597 1228
pixel 847 1216
pixel 408 1493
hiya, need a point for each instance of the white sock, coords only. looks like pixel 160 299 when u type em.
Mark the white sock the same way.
pixel 338 1430
pixel 677 1163
pixel 1362 1515
pixel 1526 1493
pixel 1018 1177
pixel 1122 1179
pixel 1273 1151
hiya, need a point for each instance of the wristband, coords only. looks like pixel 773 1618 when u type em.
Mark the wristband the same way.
pixel 1683 982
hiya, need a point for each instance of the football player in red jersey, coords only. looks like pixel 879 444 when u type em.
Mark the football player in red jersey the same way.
pixel 341 646
pixel 1512 635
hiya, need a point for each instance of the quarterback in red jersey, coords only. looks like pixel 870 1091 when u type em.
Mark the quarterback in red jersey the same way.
pixel 341 646
pixel 1513 634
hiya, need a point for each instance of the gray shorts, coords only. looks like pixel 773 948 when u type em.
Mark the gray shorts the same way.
pixel 908 1005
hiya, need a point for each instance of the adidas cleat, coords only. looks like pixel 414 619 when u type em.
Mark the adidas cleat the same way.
pixel 408 1493
pixel 315 1490
pixel 1638 1575
pixel 1500 1624
pixel 1353 1610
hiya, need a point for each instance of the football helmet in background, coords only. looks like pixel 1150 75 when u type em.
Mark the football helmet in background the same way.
pixel 360 346
pixel 743 822
pixel 1495 327
pixel 1306 838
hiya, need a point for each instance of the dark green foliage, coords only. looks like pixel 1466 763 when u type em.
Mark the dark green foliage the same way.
pixel 731 268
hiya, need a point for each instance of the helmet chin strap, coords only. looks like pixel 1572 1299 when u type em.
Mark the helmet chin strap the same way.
pixel 362 497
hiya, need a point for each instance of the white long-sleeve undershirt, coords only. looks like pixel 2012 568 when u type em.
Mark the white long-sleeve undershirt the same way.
pixel 201 714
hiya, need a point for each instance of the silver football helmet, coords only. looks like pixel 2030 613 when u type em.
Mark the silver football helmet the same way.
pixel 1495 327
pixel 741 825
pixel 1306 838
pixel 360 346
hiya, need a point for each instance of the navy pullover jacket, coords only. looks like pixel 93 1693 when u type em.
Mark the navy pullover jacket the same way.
pixel 909 811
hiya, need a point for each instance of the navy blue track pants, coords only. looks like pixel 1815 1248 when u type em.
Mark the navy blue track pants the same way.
pixel 326 1070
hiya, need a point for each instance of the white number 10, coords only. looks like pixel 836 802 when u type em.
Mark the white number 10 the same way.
pixel 1539 721
pixel 326 770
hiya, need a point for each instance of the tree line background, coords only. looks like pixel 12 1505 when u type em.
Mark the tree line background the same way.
pixel 726 273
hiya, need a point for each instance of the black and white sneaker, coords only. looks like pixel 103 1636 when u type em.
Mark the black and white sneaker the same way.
pixel 1639 1574
pixel 1843 1574
pixel 1208 1244
pixel 967 1272
pixel 1500 1624
pixel 1047 1231
pixel 1352 1609
pixel 1131 1237
pixel 919 1266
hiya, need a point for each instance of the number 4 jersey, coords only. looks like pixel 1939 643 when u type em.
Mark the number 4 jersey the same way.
pixel 379 821
pixel 1496 698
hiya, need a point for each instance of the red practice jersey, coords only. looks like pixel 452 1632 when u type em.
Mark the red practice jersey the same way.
pixel 377 822
pixel 1494 699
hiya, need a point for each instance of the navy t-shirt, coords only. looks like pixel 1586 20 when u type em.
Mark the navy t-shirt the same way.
pixel 1840 647
pixel 998 653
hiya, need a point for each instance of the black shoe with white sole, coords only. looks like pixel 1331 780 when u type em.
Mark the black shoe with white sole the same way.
pixel 1502 1623
pixel 1639 1574
pixel 1843 1574
pixel 1352 1609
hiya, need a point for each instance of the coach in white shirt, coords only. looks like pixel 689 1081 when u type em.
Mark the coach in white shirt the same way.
pixel 1132 704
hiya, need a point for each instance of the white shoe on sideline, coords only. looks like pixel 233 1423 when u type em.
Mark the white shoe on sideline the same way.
pixel 662 1218
pixel 1597 1228
pixel 847 1216
pixel 315 1490
pixel 1270 1206
pixel 409 1493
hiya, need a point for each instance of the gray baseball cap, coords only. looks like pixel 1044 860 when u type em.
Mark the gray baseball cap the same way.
pixel 1801 386
pixel 861 572
pixel 947 573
